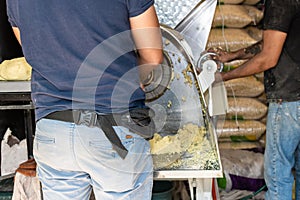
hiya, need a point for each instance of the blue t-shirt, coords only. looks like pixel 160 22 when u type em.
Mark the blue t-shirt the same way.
pixel 81 52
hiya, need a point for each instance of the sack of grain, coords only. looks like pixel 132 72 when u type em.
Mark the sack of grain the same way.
pixel 251 2
pixel 245 108
pixel 263 120
pixel 230 39
pixel 230 1
pixel 16 69
pixel 260 76
pixel 263 98
pixel 231 16
pixel 244 87
pixel 240 130
pixel 254 13
pixel 255 32
pixel 239 145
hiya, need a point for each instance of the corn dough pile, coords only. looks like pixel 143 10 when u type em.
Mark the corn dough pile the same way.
pixel 15 70
pixel 192 141
pixel 176 143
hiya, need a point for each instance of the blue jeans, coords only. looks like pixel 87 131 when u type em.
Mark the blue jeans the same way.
pixel 74 159
pixel 282 150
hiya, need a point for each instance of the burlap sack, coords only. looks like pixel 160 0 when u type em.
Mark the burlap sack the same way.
pixel 239 145
pixel 231 16
pixel 230 1
pixel 254 32
pixel 240 130
pixel 245 108
pixel 251 2
pixel 230 39
pixel 254 13
pixel 244 87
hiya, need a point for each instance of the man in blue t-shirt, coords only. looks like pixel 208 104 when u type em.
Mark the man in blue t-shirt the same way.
pixel 278 57
pixel 88 59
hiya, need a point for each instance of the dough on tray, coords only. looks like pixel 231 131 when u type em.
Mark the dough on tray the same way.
pixel 177 143
pixel 16 69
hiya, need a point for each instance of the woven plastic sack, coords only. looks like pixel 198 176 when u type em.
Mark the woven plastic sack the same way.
pixel 260 76
pixel 245 108
pixel 230 1
pixel 255 32
pixel 254 13
pixel 231 16
pixel 240 130
pixel 244 87
pixel 251 2
pixel 239 145
pixel 230 39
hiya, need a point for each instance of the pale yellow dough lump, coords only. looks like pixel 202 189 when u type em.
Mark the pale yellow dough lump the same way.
pixel 16 69
pixel 177 143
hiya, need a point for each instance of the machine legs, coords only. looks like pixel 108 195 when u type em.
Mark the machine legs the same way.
pixel 203 188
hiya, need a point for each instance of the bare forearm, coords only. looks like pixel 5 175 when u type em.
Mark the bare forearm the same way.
pixel 17 34
pixel 266 59
pixel 247 53
pixel 255 65
pixel 251 51
pixel 243 53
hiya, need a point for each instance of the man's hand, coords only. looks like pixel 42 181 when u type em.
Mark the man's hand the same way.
pixel 221 55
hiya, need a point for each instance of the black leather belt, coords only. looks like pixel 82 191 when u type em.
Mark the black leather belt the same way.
pixel 136 120
pixel 79 117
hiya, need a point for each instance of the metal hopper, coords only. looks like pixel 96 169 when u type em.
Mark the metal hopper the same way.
pixel 175 92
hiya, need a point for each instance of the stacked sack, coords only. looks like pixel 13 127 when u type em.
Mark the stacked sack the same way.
pixel 244 124
pixel 235 26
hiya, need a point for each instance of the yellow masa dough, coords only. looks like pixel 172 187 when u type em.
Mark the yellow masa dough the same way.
pixel 15 70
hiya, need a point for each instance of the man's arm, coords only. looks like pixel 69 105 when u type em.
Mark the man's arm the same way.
pixel 273 42
pixel 17 34
pixel 244 53
pixel 148 40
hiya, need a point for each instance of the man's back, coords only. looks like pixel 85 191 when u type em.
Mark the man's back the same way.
pixel 63 42
pixel 83 59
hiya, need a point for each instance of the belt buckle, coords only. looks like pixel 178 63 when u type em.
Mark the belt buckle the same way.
pixel 86 117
